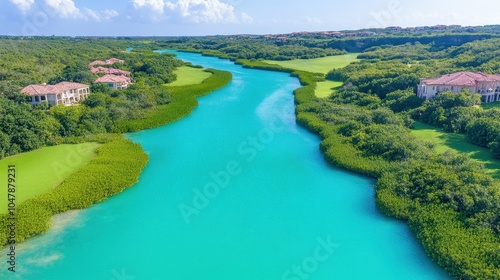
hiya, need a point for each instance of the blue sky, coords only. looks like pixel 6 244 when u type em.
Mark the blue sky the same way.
pixel 210 17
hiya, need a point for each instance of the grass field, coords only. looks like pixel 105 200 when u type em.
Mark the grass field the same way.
pixel 189 76
pixel 318 65
pixel 325 89
pixel 491 105
pixel 43 169
pixel 458 142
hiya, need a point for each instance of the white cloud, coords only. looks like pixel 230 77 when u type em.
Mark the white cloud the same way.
pixel 156 6
pixel 197 11
pixel 93 15
pixel 245 18
pixel 64 8
pixel 23 5
pixel 204 11
pixel 104 15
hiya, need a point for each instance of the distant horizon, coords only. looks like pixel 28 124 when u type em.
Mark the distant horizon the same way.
pixel 255 34
pixel 229 17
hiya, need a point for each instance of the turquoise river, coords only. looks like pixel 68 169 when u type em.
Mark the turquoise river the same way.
pixel 234 191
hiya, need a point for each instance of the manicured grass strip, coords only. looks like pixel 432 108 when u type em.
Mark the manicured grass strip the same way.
pixel 318 65
pixel 41 170
pixel 116 167
pixel 491 105
pixel 326 88
pixel 458 142
pixel 187 75
pixel 184 101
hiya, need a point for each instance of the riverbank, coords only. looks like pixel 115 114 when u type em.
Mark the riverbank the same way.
pixel 184 101
pixel 468 250
pixel 59 162
pixel 117 165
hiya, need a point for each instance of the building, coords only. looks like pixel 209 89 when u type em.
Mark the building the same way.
pixel 110 61
pixel 114 81
pixel 485 84
pixel 66 93
pixel 110 71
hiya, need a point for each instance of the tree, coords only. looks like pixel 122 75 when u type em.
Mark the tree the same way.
pixel 402 100
pixel 483 131
pixel 495 147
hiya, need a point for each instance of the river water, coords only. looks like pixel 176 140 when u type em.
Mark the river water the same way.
pixel 236 190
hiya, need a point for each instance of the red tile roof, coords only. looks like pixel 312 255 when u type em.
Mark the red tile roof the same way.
pixel 43 89
pixel 113 79
pixel 107 62
pixel 111 71
pixel 462 79
pixel 97 62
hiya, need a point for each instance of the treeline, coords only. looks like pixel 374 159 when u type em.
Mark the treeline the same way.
pixel 117 165
pixel 437 40
pixel 312 46
pixel 183 102
pixel 245 48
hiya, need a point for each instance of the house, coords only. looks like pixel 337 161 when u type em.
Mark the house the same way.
pixel 110 61
pixel 66 93
pixel 114 81
pixel 110 71
pixel 485 84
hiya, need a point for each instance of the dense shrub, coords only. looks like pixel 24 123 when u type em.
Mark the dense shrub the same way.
pixel 183 102
pixel 116 166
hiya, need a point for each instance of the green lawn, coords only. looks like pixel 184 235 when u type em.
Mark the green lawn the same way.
pixel 325 89
pixel 318 65
pixel 189 76
pixel 491 105
pixel 43 169
pixel 458 142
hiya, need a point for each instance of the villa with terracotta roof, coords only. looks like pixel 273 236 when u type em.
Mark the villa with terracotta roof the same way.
pixel 485 84
pixel 66 93
pixel 111 71
pixel 110 61
pixel 114 81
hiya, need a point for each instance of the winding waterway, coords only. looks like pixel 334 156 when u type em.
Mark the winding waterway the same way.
pixel 237 190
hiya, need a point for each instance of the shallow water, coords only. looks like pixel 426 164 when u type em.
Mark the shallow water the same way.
pixel 236 190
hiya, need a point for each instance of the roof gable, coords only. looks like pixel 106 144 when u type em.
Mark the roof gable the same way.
pixel 462 79
pixel 44 89
pixel 112 79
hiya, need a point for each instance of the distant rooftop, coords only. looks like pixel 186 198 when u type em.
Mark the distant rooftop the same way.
pixel 112 79
pixel 462 79
pixel 110 61
pixel 43 89
pixel 111 71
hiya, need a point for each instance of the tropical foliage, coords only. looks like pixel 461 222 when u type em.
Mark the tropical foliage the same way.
pixel 117 166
